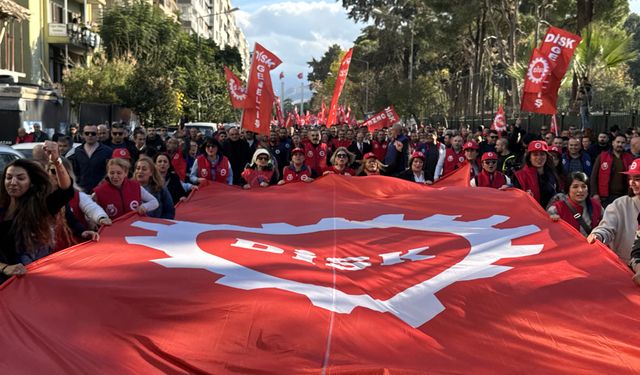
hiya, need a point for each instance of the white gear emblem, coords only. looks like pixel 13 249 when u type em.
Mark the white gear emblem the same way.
pixel 605 166
pixel 238 92
pixel 204 172
pixel 321 153
pixel 461 159
pixel 223 172
pixel 538 69
pixel 633 165
pixel 134 205
pixel 450 158
pixel 112 210
pixel 289 177
pixel 310 154
pixel 415 305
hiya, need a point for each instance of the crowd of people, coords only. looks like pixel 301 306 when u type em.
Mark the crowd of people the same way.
pixel 63 195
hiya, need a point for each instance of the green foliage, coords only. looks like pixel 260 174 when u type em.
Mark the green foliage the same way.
pixel 100 82
pixel 320 68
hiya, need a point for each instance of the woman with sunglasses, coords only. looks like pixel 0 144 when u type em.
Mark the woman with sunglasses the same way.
pixel 28 205
pixel 340 162
pixel 211 166
pixel 489 176
pixel 260 173
pixel 577 208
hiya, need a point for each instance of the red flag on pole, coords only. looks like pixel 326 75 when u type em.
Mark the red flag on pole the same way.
pixel 382 119
pixel 499 123
pixel 554 125
pixel 342 78
pixel 237 93
pixel 323 113
pixel 257 116
pixel 232 292
pixel 279 112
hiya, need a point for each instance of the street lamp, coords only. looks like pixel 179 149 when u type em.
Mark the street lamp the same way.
pixel 366 86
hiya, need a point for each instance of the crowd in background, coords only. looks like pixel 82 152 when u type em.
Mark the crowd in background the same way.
pixel 589 180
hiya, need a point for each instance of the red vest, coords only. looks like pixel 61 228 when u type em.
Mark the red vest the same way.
pixel 26 139
pixel 254 177
pixel 221 170
pixel 497 180
pixel 604 170
pixel 452 160
pixel 379 149
pixel 179 165
pixel 74 204
pixel 289 174
pixel 316 156
pixel 346 172
pixel 528 179
pixel 117 202
pixel 565 213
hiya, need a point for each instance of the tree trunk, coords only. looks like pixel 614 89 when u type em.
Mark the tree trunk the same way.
pixel 584 15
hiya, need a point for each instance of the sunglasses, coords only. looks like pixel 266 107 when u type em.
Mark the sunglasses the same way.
pixel 265 158
pixel 341 156
pixel 90 134
pixel 117 133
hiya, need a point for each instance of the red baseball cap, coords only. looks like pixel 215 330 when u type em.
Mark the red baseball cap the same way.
pixel 555 149
pixel 418 154
pixel 489 156
pixel 370 155
pixel 537 146
pixel 634 168
pixel 470 145
pixel 121 153
pixel 297 149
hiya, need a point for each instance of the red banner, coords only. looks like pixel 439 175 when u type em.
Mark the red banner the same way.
pixel 257 115
pixel 417 280
pixel 237 93
pixel 499 123
pixel 279 114
pixel 554 125
pixel 342 78
pixel 547 68
pixel 382 119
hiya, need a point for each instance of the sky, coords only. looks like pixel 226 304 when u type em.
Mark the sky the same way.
pixel 296 32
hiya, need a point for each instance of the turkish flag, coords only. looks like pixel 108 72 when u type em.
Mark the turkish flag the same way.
pixel 237 93
pixel 358 275
pixel 257 115
pixel 337 91
pixel 499 122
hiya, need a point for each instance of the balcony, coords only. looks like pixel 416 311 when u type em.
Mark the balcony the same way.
pixel 74 35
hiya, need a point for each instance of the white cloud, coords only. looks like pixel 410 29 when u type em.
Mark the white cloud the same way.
pixel 296 32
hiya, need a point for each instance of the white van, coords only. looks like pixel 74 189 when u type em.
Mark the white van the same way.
pixel 206 128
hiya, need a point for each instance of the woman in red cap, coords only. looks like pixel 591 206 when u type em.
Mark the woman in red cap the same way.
pixel 297 170
pixel 415 172
pixel 537 177
pixel 619 223
pixel 489 177
pixel 471 155
pixel 371 166
pixel 576 208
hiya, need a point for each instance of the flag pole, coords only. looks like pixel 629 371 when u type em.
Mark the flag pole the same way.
pixel 301 98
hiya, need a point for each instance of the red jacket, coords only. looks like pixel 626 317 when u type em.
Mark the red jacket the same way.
pixel 221 170
pixel 255 177
pixel 528 180
pixel 347 171
pixel 26 139
pixel 379 149
pixel 452 160
pixel 495 180
pixel 289 174
pixel 117 202
pixel 604 170
pixel 565 213
pixel 316 156
pixel 179 165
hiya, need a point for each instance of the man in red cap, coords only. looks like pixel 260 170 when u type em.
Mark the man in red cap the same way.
pixel 607 180
pixel 537 176
pixel 296 170
pixel 489 176
pixel 121 153
pixel 619 223
pixel 454 156
pixel 471 155
pixel 415 172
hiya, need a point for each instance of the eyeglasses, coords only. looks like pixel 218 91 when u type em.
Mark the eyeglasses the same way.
pixel 90 134
pixel 341 156
pixel 265 158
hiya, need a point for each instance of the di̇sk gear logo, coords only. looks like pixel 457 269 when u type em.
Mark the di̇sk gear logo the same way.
pixel 239 93
pixel 604 166
pixel 415 305
pixel 461 159
pixel 538 69
pixel 450 158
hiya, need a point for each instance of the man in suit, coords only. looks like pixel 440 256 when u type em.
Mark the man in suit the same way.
pixel 359 148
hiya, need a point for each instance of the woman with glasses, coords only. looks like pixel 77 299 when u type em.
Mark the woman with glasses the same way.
pixel 489 176
pixel 28 206
pixel 340 162
pixel 261 172
pixel 576 207
pixel 212 166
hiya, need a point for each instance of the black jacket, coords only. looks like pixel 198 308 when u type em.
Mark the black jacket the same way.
pixel 90 171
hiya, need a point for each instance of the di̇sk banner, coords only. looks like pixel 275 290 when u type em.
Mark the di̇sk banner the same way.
pixel 257 115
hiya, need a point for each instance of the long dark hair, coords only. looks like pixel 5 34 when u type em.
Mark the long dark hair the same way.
pixel 32 222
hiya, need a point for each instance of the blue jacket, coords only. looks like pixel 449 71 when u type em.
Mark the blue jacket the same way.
pixel 90 171
pixel 587 165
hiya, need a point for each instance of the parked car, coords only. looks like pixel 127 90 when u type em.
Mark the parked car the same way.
pixel 206 128
pixel 7 155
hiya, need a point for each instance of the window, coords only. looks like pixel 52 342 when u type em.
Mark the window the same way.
pixel 57 12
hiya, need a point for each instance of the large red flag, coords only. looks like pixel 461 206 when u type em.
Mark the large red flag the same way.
pixel 382 119
pixel 499 123
pixel 558 46
pixel 279 114
pixel 342 78
pixel 237 93
pixel 257 115
pixel 360 275
pixel 554 125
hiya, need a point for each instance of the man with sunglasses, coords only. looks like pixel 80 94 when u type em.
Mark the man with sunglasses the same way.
pixel 489 176
pixel 489 143
pixel 118 140
pixel 89 160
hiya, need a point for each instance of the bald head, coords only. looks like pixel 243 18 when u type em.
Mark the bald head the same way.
pixel 635 145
